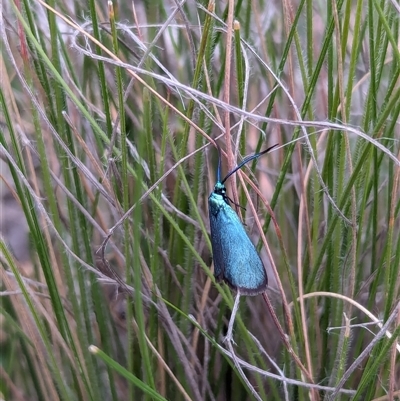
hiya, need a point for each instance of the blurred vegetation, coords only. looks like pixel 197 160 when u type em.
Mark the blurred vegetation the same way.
pixel 108 116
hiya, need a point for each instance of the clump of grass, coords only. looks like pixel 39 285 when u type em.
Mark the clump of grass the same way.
pixel 109 117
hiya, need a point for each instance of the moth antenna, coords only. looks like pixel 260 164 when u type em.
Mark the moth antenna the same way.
pixel 246 160
pixel 219 163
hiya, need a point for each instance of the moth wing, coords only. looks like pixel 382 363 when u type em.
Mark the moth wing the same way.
pixel 216 225
pixel 242 267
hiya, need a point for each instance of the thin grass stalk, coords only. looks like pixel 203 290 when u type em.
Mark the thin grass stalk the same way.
pixel 57 376
pixel 162 258
pixel 100 69
pixel 44 257
pixel 148 390
pixel 178 198
pixel 156 265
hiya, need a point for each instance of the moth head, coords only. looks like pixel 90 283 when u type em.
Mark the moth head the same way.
pixel 220 189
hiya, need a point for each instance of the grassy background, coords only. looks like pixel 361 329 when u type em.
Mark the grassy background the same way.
pixel 112 109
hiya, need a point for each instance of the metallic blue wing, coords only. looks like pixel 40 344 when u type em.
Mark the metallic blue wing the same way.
pixel 236 260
